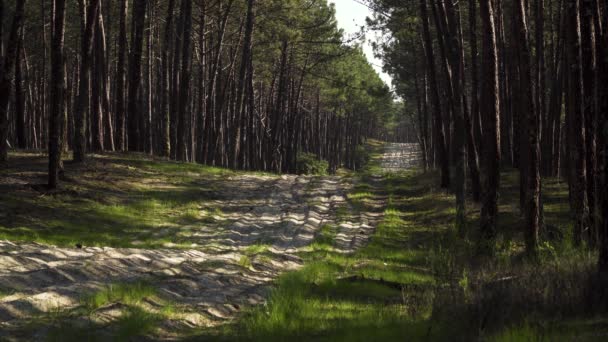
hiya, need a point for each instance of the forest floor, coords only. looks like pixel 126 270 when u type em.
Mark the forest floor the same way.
pixel 133 246
pixel 138 249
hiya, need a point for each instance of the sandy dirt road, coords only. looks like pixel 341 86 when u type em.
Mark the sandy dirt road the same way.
pixel 216 277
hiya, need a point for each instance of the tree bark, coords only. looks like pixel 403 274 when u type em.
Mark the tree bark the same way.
pixel 437 119
pixel 588 63
pixel 134 139
pixel 602 97
pixel 578 194
pixel 490 109
pixel 531 169
pixel 120 75
pixel 186 17
pixel 240 103
pixel 476 120
pixel 457 67
pixel 81 104
pixel 165 82
pixel 56 86
pixel 5 78
pixel 20 97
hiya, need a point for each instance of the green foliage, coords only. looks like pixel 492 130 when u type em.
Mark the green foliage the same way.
pixel 310 164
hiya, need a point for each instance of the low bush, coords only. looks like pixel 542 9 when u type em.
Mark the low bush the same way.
pixel 310 164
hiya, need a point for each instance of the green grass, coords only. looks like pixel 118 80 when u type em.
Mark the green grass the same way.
pixel 125 293
pixel 136 322
pixel 116 200
pixel 585 329
pixel 255 249
pixel 417 280
pixel 381 292
pixel 244 261
pixel 137 318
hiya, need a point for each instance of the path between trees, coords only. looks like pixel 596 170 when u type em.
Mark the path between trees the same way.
pixel 264 222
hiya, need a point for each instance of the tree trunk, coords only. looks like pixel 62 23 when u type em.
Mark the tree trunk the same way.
pixel 135 141
pixel 602 97
pixel 85 70
pixel 246 63
pixel 56 86
pixel 201 124
pixel 1 30
pixel 531 208
pixel 457 80
pixel 20 97
pixel 589 110
pixel 578 194
pixel 120 75
pixel 5 78
pixel 476 120
pixel 165 84
pixel 97 112
pixel 186 17
pixel 490 109
pixel 434 88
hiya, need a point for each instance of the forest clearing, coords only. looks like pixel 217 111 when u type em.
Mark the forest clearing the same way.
pixel 308 170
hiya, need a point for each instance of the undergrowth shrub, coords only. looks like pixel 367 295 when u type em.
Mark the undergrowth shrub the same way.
pixel 310 164
pixel 491 297
pixel 362 156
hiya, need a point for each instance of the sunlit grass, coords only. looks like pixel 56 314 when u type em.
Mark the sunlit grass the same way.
pixel 125 293
pixel 350 297
pixel 353 297
pixel 257 248
pixel 119 200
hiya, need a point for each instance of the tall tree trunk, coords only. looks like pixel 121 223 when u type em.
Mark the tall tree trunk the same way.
pixel 1 31
pixel 245 65
pixel 81 104
pixel 97 112
pixel 420 111
pixel 602 97
pixel 552 132
pixel 5 78
pixel 201 111
pixel 104 77
pixel 165 82
pixel 211 105
pixel 588 62
pixel 186 17
pixel 20 97
pixel 531 208
pixel 578 194
pixel 120 75
pixel 438 124
pixel 457 68
pixel 135 141
pixel 56 85
pixel 147 119
pixel 490 109
pixel 476 120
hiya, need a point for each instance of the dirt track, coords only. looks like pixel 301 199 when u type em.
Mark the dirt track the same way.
pixel 217 276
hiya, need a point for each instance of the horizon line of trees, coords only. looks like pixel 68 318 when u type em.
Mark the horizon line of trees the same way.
pixel 244 84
